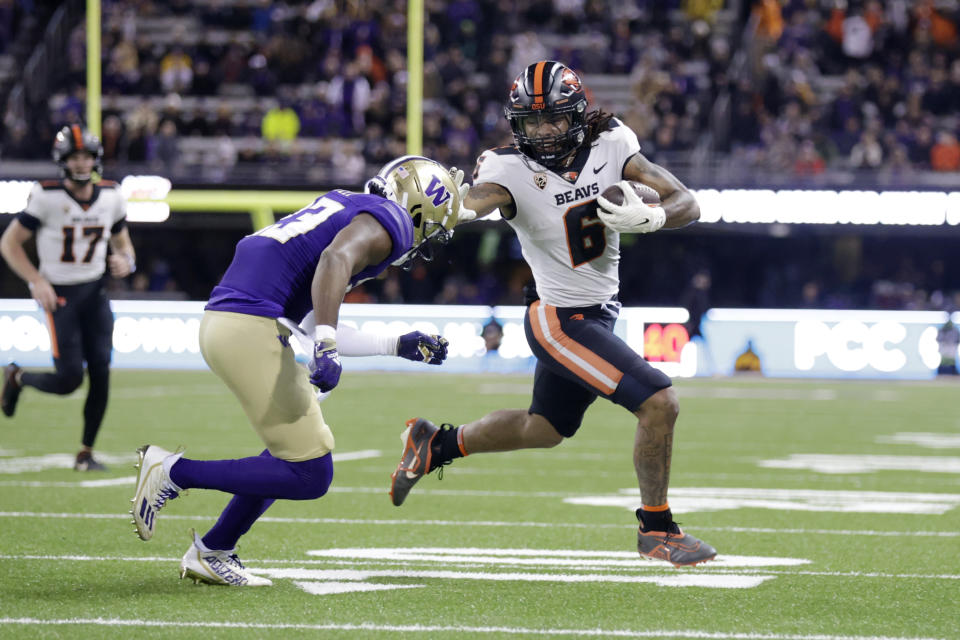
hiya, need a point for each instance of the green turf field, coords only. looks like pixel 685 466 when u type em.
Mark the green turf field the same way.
pixel 835 507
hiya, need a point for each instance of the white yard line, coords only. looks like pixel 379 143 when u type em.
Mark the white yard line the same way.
pixel 419 629
pixel 82 484
pixel 258 565
pixel 377 522
pixel 21 464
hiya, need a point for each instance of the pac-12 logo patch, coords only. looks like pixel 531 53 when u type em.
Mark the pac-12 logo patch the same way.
pixel 540 179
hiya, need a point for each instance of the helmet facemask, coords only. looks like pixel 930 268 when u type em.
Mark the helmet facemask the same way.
pixel 550 151
pixel 425 189
pixel 73 139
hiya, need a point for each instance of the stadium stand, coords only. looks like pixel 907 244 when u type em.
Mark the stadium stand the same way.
pixel 765 93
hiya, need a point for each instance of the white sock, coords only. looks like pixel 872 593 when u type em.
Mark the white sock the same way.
pixel 168 463
pixel 198 541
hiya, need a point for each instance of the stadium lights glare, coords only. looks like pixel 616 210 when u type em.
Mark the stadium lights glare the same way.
pixel 144 195
pixel 795 206
pixel 148 201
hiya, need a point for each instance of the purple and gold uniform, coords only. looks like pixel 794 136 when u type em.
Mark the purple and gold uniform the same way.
pixel 270 277
pixel 272 269
pixel 281 272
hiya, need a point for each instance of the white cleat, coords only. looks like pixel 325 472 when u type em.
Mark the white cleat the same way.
pixel 217 567
pixel 154 488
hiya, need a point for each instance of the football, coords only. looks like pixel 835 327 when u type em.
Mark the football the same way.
pixel 649 195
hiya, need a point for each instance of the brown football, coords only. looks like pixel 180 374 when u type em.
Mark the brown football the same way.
pixel 649 195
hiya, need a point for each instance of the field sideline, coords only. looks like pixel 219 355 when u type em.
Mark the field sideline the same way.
pixel 835 507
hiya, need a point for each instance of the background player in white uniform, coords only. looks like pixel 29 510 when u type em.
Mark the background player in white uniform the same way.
pixel 73 220
pixel 547 186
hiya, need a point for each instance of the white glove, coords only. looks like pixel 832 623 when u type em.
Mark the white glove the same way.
pixel 464 214
pixel 633 216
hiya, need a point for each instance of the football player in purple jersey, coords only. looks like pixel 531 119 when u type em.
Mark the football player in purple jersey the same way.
pixel 303 263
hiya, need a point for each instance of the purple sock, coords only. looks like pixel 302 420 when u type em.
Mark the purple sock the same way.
pixel 236 520
pixel 255 482
pixel 260 476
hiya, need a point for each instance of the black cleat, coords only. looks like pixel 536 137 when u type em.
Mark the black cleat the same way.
pixel 417 459
pixel 11 389
pixel 85 462
pixel 673 545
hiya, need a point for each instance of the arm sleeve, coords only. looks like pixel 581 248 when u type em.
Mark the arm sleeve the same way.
pixel 353 342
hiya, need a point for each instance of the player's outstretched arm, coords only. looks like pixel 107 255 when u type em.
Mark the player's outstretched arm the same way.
pixel 487 197
pixel 415 345
pixel 677 201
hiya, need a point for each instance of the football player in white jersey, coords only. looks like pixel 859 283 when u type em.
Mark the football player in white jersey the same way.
pixel 548 187
pixel 73 220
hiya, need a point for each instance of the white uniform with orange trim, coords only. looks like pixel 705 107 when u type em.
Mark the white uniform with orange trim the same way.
pixel 573 256
pixel 72 236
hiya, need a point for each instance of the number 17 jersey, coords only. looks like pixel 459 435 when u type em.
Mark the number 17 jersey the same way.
pixel 72 235
pixel 574 257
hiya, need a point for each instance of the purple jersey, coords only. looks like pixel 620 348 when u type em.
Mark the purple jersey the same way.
pixel 272 269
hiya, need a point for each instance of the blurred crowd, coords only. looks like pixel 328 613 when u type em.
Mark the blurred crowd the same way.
pixel 858 85
pixel 798 88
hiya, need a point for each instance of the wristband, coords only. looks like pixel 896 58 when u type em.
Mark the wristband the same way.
pixel 324 332
pixel 133 263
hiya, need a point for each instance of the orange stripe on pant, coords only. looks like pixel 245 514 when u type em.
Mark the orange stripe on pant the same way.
pixel 605 377
pixel 54 347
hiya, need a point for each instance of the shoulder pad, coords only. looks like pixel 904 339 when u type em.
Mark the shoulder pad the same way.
pixel 51 184
pixel 509 150
pixel 107 184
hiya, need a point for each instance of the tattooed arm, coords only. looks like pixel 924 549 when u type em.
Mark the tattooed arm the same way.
pixel 487 197
pixel 678 203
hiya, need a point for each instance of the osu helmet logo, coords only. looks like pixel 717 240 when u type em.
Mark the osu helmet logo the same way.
pixel 514 92
pixel 570 79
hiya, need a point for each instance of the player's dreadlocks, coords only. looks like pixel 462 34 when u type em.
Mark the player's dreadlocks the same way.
pixel 597 122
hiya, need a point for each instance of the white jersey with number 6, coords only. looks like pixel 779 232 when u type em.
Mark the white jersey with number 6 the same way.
pixel 573 256
pixel 72 235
